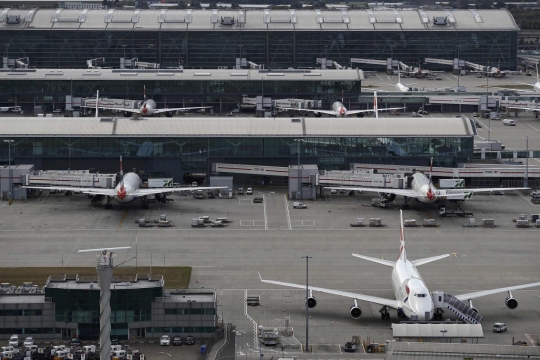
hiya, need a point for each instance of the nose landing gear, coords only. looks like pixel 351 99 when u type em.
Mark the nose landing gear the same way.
pixel 385 315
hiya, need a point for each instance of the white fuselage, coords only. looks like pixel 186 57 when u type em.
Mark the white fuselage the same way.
pixel 426 192
pixel 339 108
pixel 148 107
pixel 536 86
pixel 411 292
pixel 129 183
pixel 400 87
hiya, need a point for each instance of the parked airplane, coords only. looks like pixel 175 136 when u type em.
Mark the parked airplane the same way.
pixel 535 87
pixel 149 108
pixel 126 191
pixel 401 87
pixel 339 110
pixel 412 297
pixel 423 190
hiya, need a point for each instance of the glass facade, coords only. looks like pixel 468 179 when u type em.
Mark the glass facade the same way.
pixel 82 307
pixel 279 49
pixel 175 155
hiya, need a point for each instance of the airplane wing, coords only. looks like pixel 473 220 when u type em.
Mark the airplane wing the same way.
pixel 468 191
pixel 423 261
pixel 380 261
pixel 402 192
pixel 135 111
pixel 158 111
pixel 352 112
pixel 84 190
pixel 143 192
pixel 522 108
pixel 478 294
pixel 329 112
pixel 373 299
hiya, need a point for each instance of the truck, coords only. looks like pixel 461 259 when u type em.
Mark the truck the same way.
pixel 197 223
pixel 299 205
pixel 160 182
pixel 509 122
pixel 451 183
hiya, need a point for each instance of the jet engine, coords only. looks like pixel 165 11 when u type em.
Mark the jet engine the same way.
pixel 127 114
pixel 511 302
pixel 355 312
pixel 169 114
pixel 317 114
pixel 360 115
pixel 95 198
pixel 311 301
pixel 389 197
pixel 161 197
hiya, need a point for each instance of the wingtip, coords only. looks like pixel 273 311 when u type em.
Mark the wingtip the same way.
pixel 260 277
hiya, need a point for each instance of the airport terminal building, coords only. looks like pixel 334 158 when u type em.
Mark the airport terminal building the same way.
pixel 176 146
pixel 68 306
pixel 275 39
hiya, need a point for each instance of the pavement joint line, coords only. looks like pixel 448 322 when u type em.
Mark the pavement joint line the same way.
pixel 255 343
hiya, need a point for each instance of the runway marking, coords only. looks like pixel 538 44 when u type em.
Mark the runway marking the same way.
pixel 265 214
pixel 302 222
pixel 255 344
pixel 165 353
pixel 122 220
pixel 287 212
pixel 252 223
pixel 245 202
pixel 531 126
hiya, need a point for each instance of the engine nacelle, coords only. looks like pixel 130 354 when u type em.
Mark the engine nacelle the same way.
pixel 169 114
pixel 472 307
pixel 317 114
pixel 355 312
pixel 360 115
pixel 161 197
pixel 311 302
pixel 389 197
pixel 511 303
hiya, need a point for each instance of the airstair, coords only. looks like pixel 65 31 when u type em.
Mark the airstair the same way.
pixel 459 308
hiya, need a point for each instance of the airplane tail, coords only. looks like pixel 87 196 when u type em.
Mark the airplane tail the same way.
pixel 121 170
pixel 402 253
pixel 97 102
pixel 375 106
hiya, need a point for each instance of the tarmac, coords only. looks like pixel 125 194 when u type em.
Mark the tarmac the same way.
pixel 271 238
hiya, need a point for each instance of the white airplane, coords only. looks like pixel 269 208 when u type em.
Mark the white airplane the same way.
pixel 412 297
pixel 126 191
pixel 401 87
pixel 149 108
pixel 339 110
pixel 423 190
pixel 535 86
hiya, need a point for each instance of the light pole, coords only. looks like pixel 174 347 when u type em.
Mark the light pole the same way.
pixel 240 64
pixel 9 142
pixel 443 332
pixel 459 67
pixel 124 47
pixel 526 183
pixel 7 55
pixel 307 257
pixel 299 175
pixel 487 108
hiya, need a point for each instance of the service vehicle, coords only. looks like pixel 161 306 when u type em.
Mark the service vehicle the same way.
pixel 240 191
pixel 9 349
pixel 190 340
pixel 535 194
pixel 509 122
pixel 14 340
pixel 249 191
pixel 177 341
pixel 499 327
pixel 75 341
pixel 299 205
pixel 165 340
pixel 31 348
pixel 28 341
pixel 349 347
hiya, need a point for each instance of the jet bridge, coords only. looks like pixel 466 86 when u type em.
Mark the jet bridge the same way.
pixel 75 178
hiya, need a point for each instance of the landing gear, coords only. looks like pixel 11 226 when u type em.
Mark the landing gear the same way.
pixel 385 315
pixel 108 205
pixel 438 316
pixel 406 203
pixel 145 202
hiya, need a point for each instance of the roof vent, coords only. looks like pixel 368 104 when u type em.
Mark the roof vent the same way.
pixel 227 20
pixel 13 19
pixel 439 20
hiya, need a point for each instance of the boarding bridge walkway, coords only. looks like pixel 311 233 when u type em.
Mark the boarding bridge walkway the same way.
pixel 458 307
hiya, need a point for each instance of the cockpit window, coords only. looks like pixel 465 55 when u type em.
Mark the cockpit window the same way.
pixel 420 295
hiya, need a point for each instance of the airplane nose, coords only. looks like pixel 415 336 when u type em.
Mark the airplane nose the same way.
pixel 430 195
pixel 121 192
pixel 341 111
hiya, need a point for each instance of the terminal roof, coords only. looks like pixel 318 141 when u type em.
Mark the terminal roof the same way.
pixel 236 127
pixel 256 19
pixel 185 74
pixel 20 299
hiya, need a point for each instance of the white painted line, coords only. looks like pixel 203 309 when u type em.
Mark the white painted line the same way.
pixel 287 212
pixel 247 223
pixel 260 223
pixel 265 214
pixel 164 353
pixel 531 126
pixel 255 343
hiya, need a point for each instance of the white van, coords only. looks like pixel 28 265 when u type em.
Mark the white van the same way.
pixel 509 122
